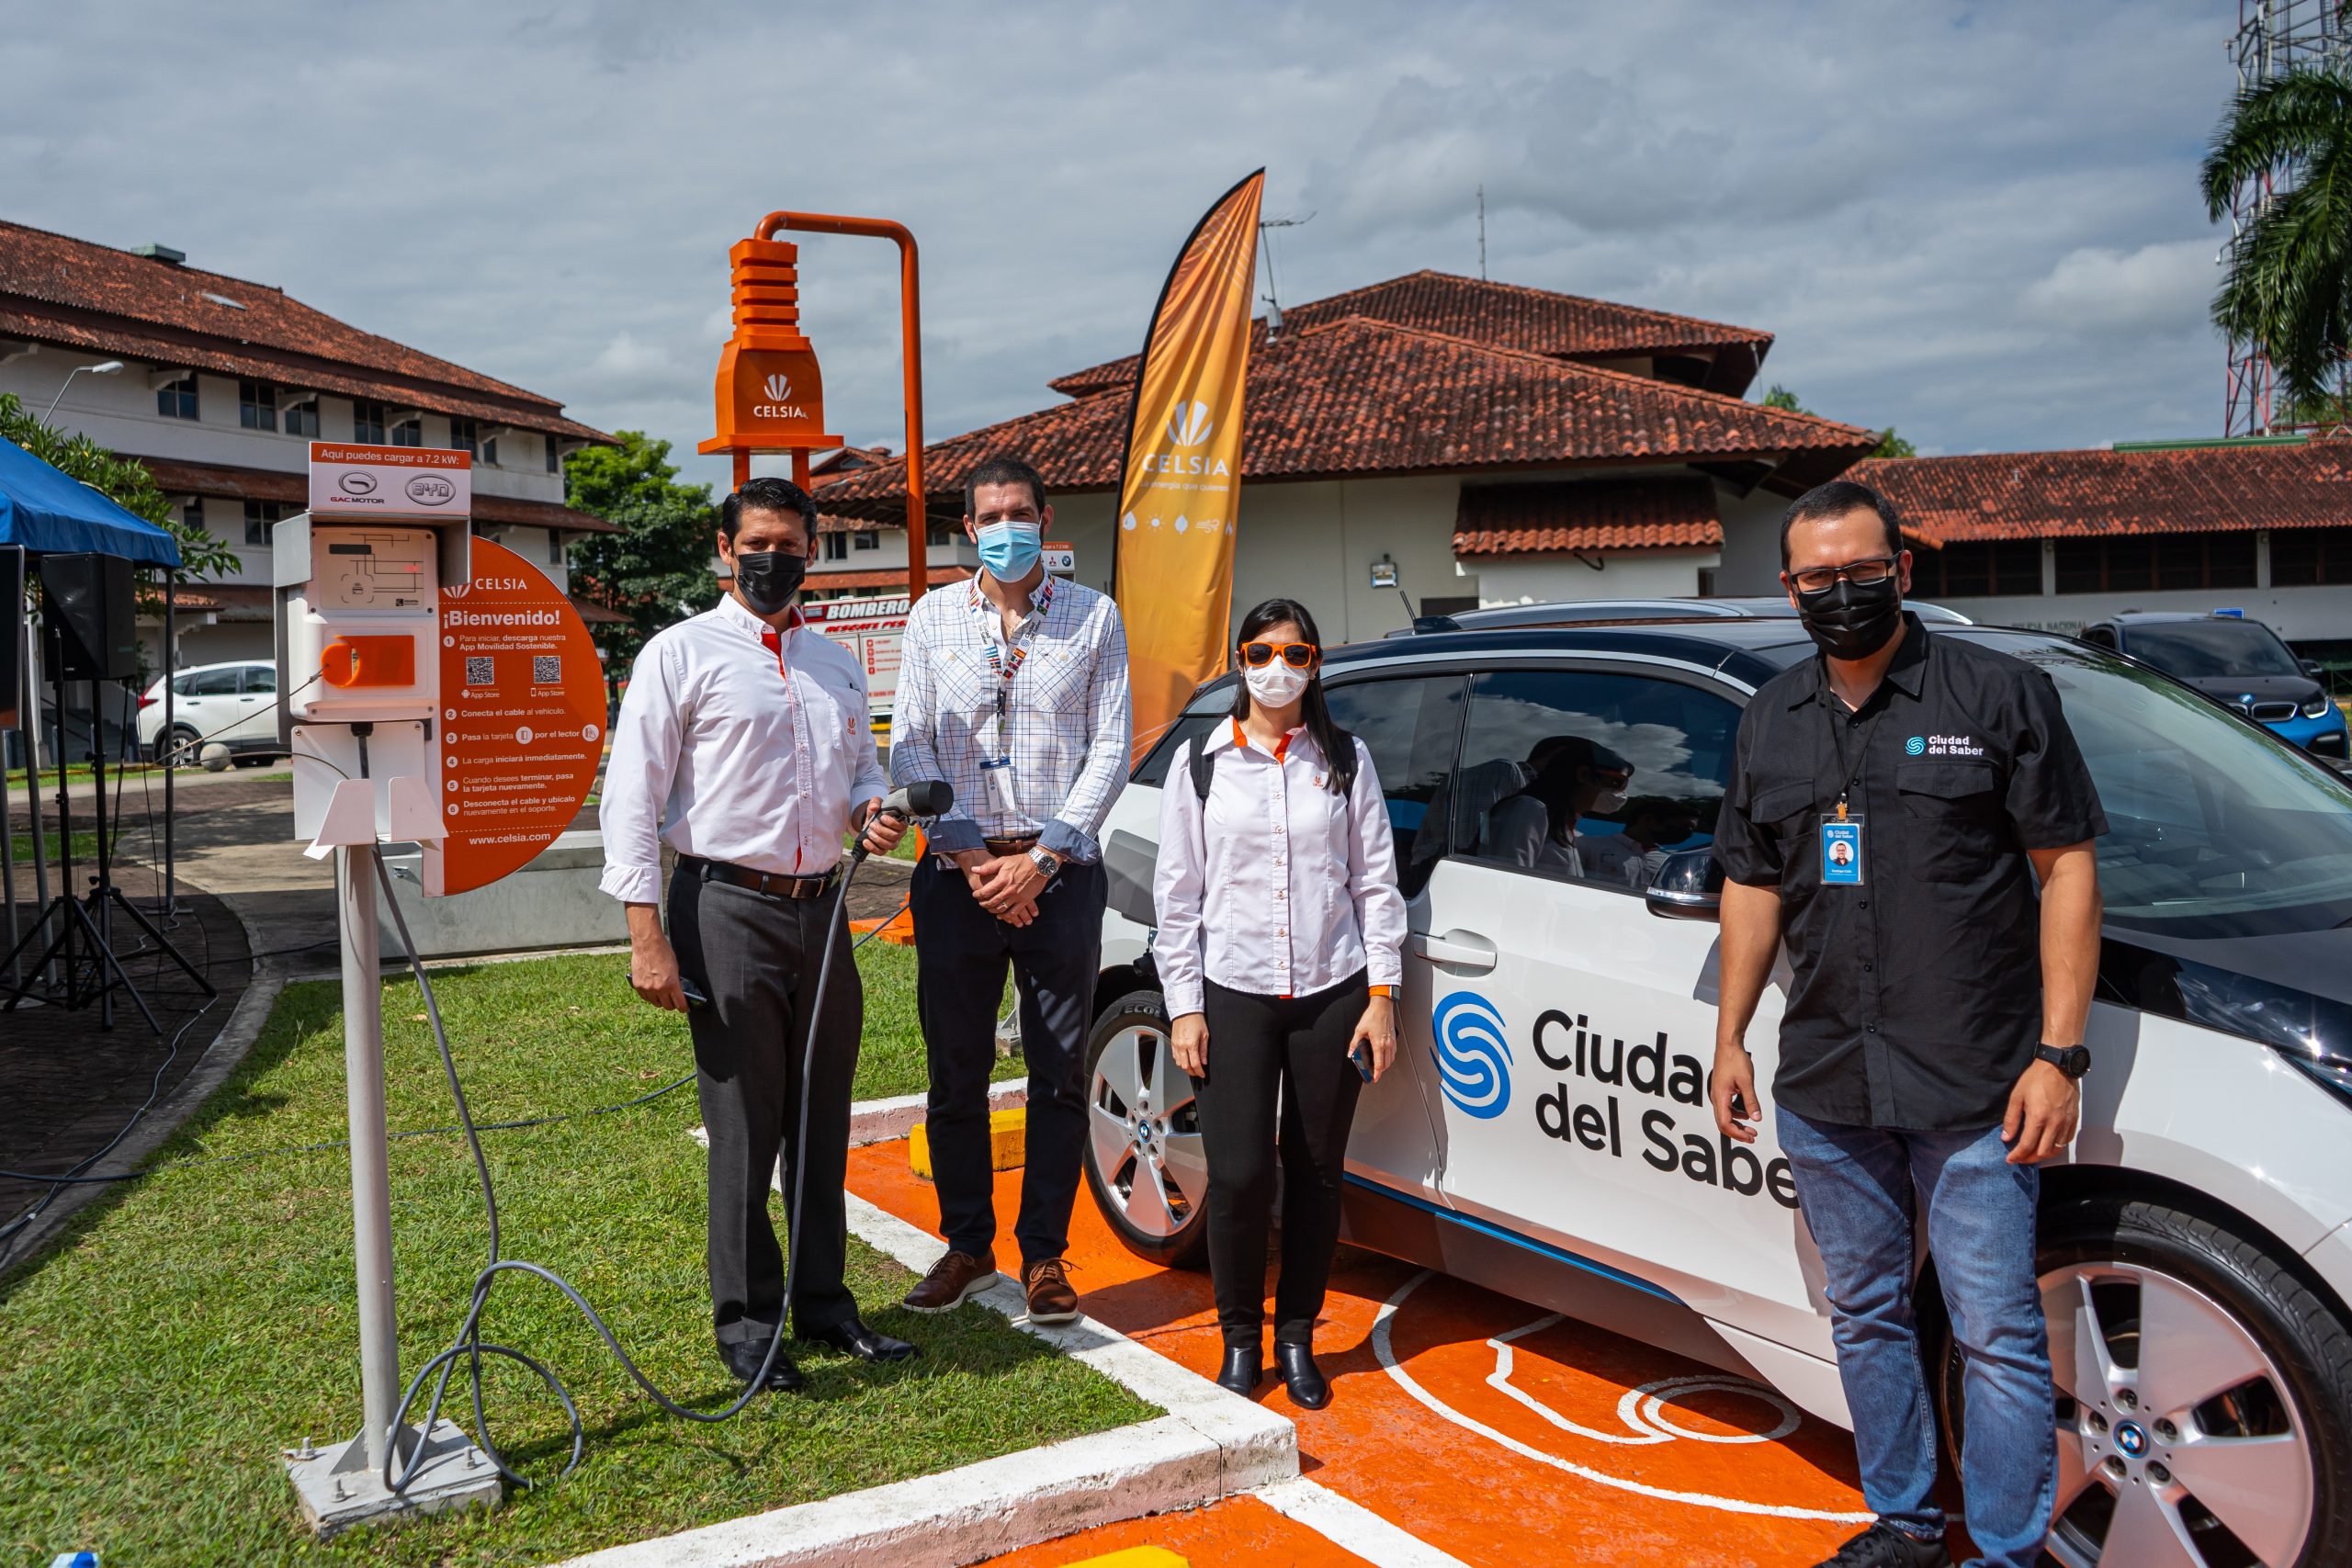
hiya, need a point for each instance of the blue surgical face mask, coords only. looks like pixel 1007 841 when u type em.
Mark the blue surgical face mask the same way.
pixel 1008 550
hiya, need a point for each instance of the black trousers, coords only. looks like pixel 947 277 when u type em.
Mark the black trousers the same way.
pixel 755 957
pixel 1264 1049
pixel 961 952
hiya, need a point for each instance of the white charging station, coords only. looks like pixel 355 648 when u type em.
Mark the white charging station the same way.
pixel 359 581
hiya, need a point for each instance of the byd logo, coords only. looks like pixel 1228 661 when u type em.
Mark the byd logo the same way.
pixel 1472 1055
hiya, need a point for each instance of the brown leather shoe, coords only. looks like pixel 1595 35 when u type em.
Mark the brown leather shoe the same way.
pixel 953 1281
pixel 1051 1299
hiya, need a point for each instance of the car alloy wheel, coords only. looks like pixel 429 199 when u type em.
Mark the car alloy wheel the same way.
pixel 1144 1158
pixel 2177 1439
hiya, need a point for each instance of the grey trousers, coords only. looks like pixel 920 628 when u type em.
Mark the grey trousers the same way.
pixel 755 957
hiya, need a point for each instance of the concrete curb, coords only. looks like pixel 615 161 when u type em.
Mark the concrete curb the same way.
pixel 879 1121
pixel 1209 1445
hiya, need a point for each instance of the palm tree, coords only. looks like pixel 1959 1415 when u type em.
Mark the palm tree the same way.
pixel 2288 287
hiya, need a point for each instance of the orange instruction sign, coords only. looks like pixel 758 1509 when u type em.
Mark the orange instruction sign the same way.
pixel 522 720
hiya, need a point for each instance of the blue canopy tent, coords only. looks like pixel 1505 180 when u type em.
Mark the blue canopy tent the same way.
pixel 50 512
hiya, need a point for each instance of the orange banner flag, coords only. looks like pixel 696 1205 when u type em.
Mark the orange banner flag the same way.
pixel 1180 492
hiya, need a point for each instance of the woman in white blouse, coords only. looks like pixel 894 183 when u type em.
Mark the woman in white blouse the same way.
pixel 1280 952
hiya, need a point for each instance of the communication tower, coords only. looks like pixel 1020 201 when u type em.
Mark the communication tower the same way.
pixel 2273 38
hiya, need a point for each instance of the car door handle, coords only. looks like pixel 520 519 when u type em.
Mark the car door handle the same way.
pixel 1457 949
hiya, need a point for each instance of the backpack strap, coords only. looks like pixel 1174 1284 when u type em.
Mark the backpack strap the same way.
pixel 1344 766
pixel 1204 765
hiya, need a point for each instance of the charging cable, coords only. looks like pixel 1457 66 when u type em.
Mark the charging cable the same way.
pixel 469 1347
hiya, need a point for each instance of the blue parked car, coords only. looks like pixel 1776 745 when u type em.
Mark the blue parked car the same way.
pixel 2240 664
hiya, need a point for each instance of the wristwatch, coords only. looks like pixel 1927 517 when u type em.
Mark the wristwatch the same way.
pixel 2071 1060
pixel 1045 861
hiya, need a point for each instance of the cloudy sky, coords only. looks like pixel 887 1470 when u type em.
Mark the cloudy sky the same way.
pixel 1976 222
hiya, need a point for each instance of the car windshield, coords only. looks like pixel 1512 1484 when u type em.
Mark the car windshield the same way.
pixel 2195 649
pixel 2214 828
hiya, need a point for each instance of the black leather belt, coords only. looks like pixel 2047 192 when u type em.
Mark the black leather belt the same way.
pixel 775 885
pixel 1009 846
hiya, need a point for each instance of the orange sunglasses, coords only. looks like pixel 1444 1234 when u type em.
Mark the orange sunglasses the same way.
pixel 1297 655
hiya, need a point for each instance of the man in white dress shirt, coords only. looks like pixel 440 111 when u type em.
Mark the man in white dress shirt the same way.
pixel 743 743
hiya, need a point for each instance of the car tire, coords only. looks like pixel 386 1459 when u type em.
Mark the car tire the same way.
pixel 183 736
pixel 2231 1303
pixel 1131 1141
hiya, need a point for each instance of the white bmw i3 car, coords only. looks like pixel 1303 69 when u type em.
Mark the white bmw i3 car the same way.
pixel 1546 1132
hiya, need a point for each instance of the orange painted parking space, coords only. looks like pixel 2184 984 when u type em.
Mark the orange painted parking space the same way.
pixel 1239 1530
pixel 1485 1427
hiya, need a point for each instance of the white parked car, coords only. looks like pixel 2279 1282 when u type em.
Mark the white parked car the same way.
pixel 234 704
pixel 1546 1133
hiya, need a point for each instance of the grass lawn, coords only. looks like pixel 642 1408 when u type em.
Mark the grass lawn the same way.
pixel 193 1324
pixel 86 846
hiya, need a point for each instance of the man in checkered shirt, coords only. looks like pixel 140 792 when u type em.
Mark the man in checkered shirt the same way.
pixel 1014 689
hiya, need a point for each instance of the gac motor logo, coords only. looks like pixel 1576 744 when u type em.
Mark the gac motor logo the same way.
pixel 355 483
pixel 778 387
pixel 431 490
pixel 1471 1056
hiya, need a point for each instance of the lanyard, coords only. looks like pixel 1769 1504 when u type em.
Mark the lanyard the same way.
pixel 1830 706
pixel 1005 666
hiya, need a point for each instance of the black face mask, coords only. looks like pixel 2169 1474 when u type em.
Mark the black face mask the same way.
pixel 768 579
pixel 1849 620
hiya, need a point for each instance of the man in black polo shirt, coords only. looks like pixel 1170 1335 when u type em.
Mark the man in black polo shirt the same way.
pixel 1893 804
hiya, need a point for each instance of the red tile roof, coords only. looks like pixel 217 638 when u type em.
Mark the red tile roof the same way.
pixel 174 477
pixel 2027 495
pixel 1361 397
pixel 82 296
pixel 1505 315
pixel 1556 518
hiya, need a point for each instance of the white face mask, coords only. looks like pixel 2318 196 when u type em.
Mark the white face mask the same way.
pixel 1276 684
pixel 1607 801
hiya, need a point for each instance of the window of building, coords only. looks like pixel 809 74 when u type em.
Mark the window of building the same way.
pixel 465 435
pixel 1976 570
pixel 303 418
pixel 260 517
pixel 176 399
pixel 257 405
pixel 1544 747
pixel 2308 558
pixel 555 548
pixel 490 451
pixel 368 422
pixel 555 457
pixel 866 539
pixel 409 432
pixel 836 547
pixel 192 515
pixel 2142 562
pixel 939 535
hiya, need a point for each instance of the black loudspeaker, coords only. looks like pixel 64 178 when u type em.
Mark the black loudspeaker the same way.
pixel 12 632
pixel 90 606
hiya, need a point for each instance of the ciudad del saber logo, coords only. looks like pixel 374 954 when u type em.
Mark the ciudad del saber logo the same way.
pixel 1646 1102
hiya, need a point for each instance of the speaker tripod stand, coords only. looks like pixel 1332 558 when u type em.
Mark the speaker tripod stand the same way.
pixel 84 925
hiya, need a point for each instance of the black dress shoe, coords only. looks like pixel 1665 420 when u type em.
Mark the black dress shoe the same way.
pixel 852 1338
pixel 1301 1376
pixel 743 1359
pixel 1240 1372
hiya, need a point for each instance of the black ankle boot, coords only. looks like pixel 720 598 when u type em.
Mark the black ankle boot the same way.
pixel 1242 1372
pixel 1301 1376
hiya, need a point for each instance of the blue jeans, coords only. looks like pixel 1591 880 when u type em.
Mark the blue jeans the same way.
pixel 1858 1187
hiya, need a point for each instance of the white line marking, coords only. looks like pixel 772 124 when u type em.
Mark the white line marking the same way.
pixel 1352 1526
pixel 1385 1350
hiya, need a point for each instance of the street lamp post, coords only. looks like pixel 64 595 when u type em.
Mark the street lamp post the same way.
pixel 103 368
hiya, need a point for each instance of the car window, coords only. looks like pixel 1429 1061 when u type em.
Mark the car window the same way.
pixel 1591 775
pixel 1411 726
pixel 2197 650
pixel 2215 828
pixel 1153 769
pixel 261 678
pixel 2103 637
pixel 213 683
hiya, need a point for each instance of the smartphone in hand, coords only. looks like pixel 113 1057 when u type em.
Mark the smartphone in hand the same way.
pixel 1361 1055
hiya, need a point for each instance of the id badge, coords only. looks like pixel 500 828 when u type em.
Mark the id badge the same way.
pixel 998 778
pixel 1841 852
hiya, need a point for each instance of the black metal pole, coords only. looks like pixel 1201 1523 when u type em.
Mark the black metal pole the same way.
pixel 171 665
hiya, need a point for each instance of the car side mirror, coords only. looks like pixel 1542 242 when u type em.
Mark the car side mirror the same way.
pixel 1689 887
pixel 2311 669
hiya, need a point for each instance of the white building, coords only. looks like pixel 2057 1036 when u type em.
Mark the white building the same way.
pixel 221 386
pixel 1493 445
